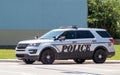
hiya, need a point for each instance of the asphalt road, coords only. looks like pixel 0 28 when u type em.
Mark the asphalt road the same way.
pixel 60 68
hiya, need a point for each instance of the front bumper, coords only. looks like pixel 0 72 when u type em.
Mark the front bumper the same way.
pixel 27 57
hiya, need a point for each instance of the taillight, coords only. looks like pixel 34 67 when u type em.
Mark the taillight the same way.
pixel 112 41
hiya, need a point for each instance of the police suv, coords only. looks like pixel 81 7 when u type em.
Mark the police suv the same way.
pixel 79 44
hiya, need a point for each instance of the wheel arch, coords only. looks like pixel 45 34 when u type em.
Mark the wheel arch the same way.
pixel 47 48
pixel 100 47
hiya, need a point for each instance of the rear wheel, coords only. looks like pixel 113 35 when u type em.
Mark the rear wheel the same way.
pixel 79 61
pixel 28 61
pixel 47 57
pixel 99 56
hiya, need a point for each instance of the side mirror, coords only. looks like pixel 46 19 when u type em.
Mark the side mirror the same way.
pixel 54 37
pixel 36 37
pixel 62 38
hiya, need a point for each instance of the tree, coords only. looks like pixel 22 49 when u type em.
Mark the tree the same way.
pixel 105 14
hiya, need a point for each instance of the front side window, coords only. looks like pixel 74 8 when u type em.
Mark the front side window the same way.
pixel 84 34
pixel 69 34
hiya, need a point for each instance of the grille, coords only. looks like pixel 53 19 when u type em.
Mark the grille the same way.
pixel 20 55
pixel 22 46
pixel 20 50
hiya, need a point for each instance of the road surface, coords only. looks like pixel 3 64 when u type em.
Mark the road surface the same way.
pixel 59 68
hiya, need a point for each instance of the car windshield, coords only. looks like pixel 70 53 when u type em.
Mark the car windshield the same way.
pixel 51 35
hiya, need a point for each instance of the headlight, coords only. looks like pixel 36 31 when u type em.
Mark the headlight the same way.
pixel 34 44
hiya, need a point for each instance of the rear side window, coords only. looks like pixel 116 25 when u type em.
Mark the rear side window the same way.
pixel 104 34
pixel 84 34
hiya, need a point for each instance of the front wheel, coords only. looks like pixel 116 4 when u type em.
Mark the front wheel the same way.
pixel 99 56
pixel 47 57
pixel 28 61
pixel 79 61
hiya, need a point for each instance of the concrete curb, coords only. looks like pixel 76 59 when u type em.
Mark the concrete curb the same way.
pixel 113 61
pixel 10 60
pixel 87 61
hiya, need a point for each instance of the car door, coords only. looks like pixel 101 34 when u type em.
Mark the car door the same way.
pixel 66 46
pixel 84 39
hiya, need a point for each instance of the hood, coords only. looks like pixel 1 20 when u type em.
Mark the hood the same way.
pixel 36 41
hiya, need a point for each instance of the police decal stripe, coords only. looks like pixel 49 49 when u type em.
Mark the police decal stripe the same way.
pixel 76 48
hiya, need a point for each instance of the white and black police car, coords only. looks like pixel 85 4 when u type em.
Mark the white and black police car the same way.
pixel 79 44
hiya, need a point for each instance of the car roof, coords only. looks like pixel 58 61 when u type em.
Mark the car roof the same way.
pixel 91 29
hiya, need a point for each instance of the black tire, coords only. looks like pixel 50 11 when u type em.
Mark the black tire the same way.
pixel 28 61
pixel 99 56
pixel 47 57
pixel 79 61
